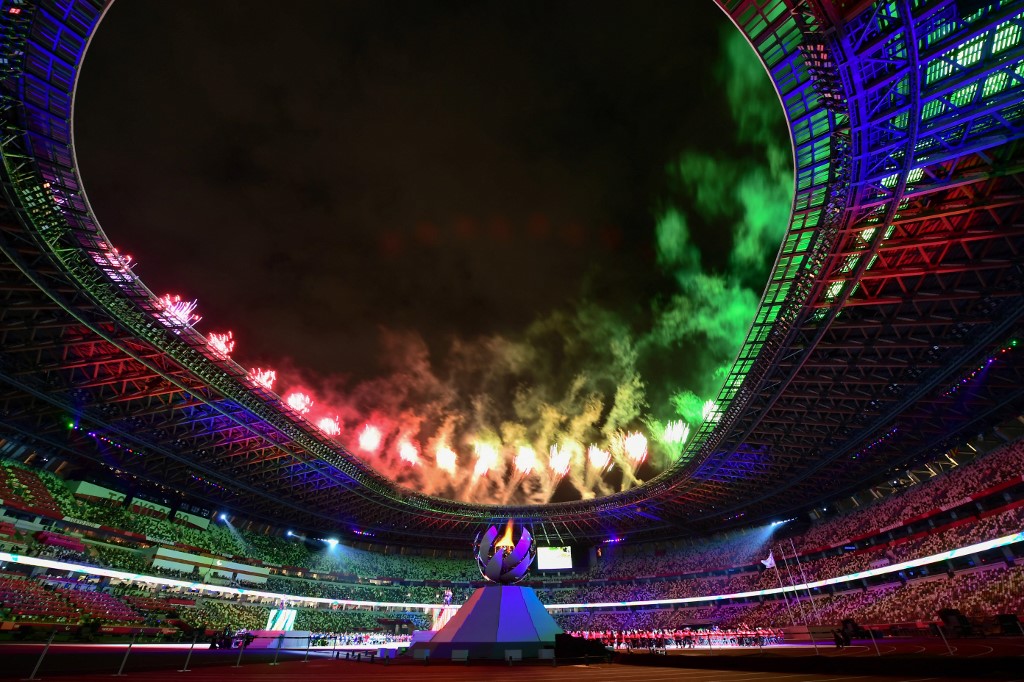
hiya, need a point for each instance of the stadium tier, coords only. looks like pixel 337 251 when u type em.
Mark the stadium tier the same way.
pixel 843 547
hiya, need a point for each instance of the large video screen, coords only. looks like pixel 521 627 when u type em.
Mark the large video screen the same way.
pixel 281 619
pixel 554 558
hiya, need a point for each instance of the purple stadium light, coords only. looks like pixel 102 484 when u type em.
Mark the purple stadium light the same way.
pixel 504 562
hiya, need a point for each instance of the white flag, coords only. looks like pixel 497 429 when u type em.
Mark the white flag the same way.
pixel 770 561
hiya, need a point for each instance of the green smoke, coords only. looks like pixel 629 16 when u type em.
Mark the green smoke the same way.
pixel 712 309
pixel 587 374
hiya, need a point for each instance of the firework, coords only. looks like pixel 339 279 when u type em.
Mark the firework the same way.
pixel 222 345
pixel 118 266
pixel 370 438
pixel 446 459
pixel 175 312
pixel 526 460
pixel 409 452
pixel 486 458
pixel 676 432
pixel 263 377
pixel 559 459
pixel 299 401
pixel 635 445
pixel 708 412
pixel 330 426
pixel 599 458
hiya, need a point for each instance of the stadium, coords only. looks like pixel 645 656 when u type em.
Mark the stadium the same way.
pixel 849 502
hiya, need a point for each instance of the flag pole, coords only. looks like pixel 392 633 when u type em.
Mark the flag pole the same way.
pixel 817 615
pixel 792 584
pixel 799 605
pixel 779 576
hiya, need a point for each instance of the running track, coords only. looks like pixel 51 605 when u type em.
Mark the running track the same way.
pixel 324 671
pixel 927 659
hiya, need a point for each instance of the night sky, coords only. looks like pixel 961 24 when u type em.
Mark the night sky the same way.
pixel 514 223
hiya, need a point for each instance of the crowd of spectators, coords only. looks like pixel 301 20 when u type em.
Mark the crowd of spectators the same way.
pixel 355 621
pixel 675 558
pixel 350 561
pixel 223 615
pixel 22 487
pixel 823 568
pixel 215 539
pixel 623 573
pixel 684 637
pixel 978 594
pixel 746 549
pixel 121 558
pixel 416 594
pixel 949 488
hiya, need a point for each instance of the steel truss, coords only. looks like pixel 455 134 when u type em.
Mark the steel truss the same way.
pixel 900 273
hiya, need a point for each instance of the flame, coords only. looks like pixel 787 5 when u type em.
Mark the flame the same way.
pixel 506 540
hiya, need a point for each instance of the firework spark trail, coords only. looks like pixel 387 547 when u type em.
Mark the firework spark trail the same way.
pixel 522 467
pixel 299 401
pixel 487 458
pixel 676 432
pixel 408 452
pixel 223 345
pixel 370 438
pixel 175 312
pixel 446 458
pixel 526 460
pixel 623 460
pixel 263 377
pixel 599 459
pixel 559 460
pixel 330 426
pixel 635 445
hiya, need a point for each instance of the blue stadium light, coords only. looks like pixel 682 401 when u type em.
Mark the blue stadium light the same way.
pixel 333 542
pixel 223 516
pixel 289 533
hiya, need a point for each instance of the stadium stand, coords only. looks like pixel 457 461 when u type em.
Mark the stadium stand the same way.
pixel 933 516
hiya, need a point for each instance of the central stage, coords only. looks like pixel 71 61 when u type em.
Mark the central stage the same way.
pixel 496 619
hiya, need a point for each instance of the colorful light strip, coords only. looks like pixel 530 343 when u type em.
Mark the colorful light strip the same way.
pixel 201 587
pixel 967 378
pixel 109 441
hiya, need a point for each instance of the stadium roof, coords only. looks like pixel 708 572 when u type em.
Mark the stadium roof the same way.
pixel 887 331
